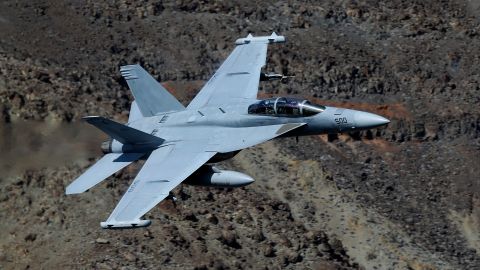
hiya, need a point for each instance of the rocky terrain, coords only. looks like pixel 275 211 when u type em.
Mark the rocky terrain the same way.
pixel 402 197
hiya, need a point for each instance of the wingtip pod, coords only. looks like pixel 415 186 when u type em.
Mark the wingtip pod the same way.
pixel 125 224
pixel 273 38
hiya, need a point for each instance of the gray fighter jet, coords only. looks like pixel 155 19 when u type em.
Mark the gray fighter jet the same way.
pixel 180 144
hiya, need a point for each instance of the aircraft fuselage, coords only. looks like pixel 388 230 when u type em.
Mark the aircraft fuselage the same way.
pixel 213 121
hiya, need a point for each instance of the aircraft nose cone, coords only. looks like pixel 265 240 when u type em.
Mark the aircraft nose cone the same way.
pixel 365 120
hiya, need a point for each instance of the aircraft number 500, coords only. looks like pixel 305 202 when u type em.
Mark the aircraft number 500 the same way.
pixel 341 120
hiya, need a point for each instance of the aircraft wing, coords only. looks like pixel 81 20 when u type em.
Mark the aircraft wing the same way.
pixel 165 168
pixel 238 77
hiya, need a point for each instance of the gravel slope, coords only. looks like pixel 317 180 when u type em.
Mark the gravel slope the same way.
pixel 401 197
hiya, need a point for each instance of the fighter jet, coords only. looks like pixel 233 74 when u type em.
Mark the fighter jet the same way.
pixel 181 144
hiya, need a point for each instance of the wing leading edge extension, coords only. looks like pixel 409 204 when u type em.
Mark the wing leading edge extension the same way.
pixel 239 138
pixel 166 168
pixel 238 77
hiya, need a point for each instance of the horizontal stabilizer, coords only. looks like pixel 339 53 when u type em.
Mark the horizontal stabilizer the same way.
pixel 122 133
pixel 103 168
pixel 151 97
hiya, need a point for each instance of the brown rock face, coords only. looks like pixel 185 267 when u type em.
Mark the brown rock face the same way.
pixel 401 197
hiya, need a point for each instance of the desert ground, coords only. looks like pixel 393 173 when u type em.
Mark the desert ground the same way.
pixel 405 196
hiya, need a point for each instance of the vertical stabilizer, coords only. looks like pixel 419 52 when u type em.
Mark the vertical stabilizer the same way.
pixel 151 97
pixel 135 112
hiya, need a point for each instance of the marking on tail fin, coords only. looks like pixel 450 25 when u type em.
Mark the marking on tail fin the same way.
pixel 128 73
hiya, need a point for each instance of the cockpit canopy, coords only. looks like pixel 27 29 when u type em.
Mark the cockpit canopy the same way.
pixel 283 106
